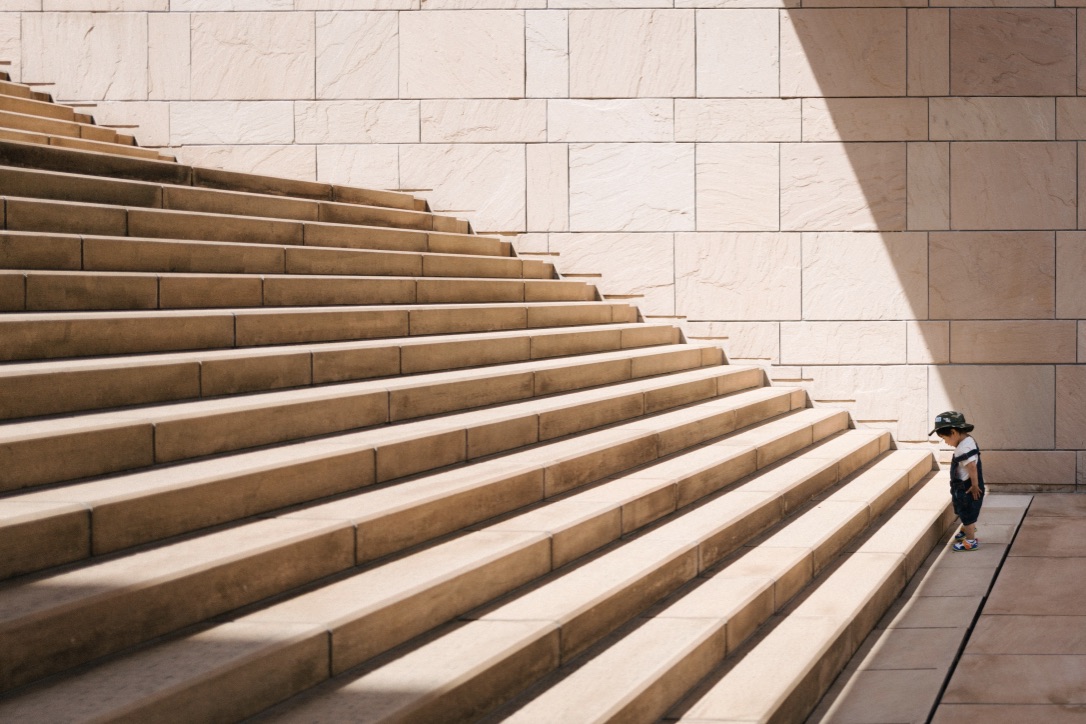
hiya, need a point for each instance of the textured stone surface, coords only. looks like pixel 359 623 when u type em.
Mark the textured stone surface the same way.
pixel 463 54
pixel 1029 467
pixel 546 53
pixel 90 56
pixel 1013 185
pixel 1070 271
pixel 656 192
pixel 1070 413
pixel 737 120
pixel 357 55
pixel 878 395
pixel 151 119
pixel 992 275
pixel 232 58
pixel 484 121
pixel 631 53
pixel 733 276
pixel 757 342
pixel 616 256
pixel 992 119
pixel 1019 52
pixel 169 53
pixel 929 52
pixel 1033 341
pixel 738 187
pixel 928 342
pixel 590 121
pixel 1020 416
pixel 833 343
pixel 929 185
pixel 843 52
pixel 738 53
pixel 548 187
pixel 298 162
pixel 885 275
pixel 1070 119
pixel 484 182
pixel 370 166
pixel 356 122
pixel 834 186
pixel 232 122
pixel 865 119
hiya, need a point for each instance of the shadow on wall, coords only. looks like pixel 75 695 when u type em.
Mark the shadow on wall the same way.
pixel 953 135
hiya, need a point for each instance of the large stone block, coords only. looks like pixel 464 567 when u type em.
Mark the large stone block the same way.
pixel 291 161
pixel 483 182
pixel 214 122
pixel 90 56
pixel 738 186
pixel 621 259
pixel 1070 412
pixel 1070 119
pixel 843 343
pixel 548 187
pixel 656 192
pixel 151 120
pixel 736 276
pixel 928 342
pixel 885 275
pixel 743 342
pixel 738 52
pixel 740 119
pixel 1070 271
pixel 369 166
pixel 169 56
pixel 105 6
pixel 356 121
pixel 11 42
pixel 631 53
pixel 865 119
pixel 929 52
pixel 721 4
pixel 886 396
pixel 843 186
pixel 1012 406
pixel 357 55
pixel 1034 341
pixel 462 54
pixel 993 119
pixel 546 54
pixel 252 56
pixel 356 4
pixel 929 185
pixel 1039 469
pixel 216 6
pixel 843 52
pixel 1012 52
pixel 992 275
pixel 621 120
pixel 1014 185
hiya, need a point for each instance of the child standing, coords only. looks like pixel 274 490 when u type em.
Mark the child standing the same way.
pixel 966 476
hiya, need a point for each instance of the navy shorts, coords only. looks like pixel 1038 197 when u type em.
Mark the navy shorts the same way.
pixel 967 509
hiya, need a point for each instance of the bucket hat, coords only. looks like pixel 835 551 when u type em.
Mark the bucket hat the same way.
pixel 952 419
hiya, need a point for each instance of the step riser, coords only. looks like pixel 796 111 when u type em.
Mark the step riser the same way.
pixel 82 337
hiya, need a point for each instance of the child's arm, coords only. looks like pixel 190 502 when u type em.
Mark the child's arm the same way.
pixel 974 487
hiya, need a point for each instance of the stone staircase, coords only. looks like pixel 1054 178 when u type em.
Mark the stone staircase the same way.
pixel 314 453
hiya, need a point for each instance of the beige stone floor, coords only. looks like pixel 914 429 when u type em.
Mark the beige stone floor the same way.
pixel 897 673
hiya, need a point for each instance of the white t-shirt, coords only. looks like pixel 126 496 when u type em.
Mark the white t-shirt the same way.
pixel 965 446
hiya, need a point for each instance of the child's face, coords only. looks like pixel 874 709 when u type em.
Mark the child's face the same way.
pixel 951 437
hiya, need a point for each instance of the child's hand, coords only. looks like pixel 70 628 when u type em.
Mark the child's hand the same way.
pixel 974 490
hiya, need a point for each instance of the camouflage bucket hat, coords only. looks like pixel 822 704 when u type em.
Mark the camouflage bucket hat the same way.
pixel 952 419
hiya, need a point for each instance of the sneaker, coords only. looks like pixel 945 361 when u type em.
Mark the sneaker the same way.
pixel 969 544
pixel 960 535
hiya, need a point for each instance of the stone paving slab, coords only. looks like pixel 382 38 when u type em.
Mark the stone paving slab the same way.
pixel 897 674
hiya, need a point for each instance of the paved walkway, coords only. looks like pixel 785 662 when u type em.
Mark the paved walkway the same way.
pixel 899 670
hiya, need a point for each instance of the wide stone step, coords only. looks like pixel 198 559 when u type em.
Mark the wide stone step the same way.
pixel 111 166
pixel 569 610
pixel 119 147
pixel 32 389
pixel 366 613
pixel 60 217
pixel 45 335
pixel 786 669
pixel 665 653
pixel 72 252
pixel 61 524
pixel 19 90
pixel 31 107
pixel 51 450
pixel 56 127
pixel 47 291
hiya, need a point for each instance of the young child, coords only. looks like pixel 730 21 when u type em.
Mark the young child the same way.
pixel 966 476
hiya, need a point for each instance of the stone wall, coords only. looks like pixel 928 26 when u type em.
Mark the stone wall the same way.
pixel 881 203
